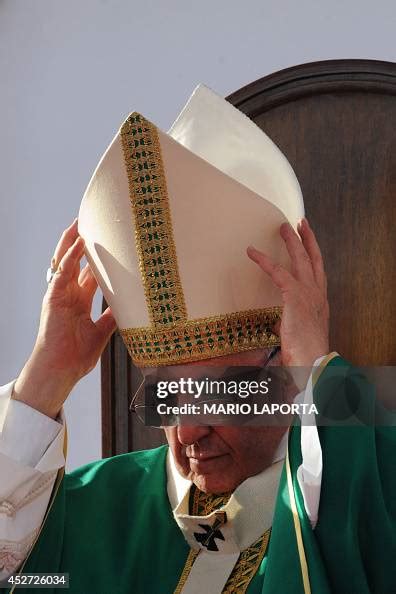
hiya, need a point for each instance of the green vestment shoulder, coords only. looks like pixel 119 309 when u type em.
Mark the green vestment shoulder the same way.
pixel 112 529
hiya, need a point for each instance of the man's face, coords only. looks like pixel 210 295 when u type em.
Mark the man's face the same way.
pixel 219 458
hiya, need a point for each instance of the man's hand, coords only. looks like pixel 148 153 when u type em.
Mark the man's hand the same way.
pixel 304 328
pixel 69 342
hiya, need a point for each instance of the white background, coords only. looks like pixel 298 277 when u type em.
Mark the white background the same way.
pixel 71 71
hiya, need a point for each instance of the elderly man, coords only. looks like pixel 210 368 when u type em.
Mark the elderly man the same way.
pixel 217 511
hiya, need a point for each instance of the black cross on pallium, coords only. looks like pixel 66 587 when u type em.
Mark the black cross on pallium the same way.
pixel 207 538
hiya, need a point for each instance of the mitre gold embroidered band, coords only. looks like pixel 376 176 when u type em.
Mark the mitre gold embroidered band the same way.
pixel 195 340
pixel 172 337
pixel 151 211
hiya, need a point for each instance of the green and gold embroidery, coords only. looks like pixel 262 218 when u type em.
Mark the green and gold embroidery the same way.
pixel 204 338
pixel 153 228
pixel 203 504
pixel 247 565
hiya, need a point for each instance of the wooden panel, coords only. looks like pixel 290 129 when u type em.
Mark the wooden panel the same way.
pixel 335 122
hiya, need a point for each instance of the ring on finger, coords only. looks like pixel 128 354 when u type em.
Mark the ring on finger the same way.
pixel 52 270
pixel 50 274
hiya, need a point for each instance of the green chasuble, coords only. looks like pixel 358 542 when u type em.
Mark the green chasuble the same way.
pixel 111 526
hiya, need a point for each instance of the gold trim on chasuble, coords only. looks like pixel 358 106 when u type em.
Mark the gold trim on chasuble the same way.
pixel 297 528
pixel 202 504
pixel 171 337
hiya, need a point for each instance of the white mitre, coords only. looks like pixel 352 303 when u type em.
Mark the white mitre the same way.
pixel 166 220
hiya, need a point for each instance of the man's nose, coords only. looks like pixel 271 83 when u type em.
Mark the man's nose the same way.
pixel 189 434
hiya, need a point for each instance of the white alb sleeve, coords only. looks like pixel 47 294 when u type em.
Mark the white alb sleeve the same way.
pixel 309 473
pixel 31 453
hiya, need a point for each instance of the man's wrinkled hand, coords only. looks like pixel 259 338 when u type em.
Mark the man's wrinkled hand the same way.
pixel 304 327
pixel 69 342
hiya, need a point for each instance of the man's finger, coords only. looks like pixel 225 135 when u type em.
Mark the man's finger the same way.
pixel 86 276
pixel 279 275
pixel 69 266
pixel 84 273
pixel 106 324
pixel 88 284
pixel 67 239
pixel 276 327
pixel 313 250
pixel 301 262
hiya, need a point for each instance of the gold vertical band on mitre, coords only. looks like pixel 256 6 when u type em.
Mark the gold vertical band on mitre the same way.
pixel 204 338
pixel 153 227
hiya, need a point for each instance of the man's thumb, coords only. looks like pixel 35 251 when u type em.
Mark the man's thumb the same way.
pixel 106 324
